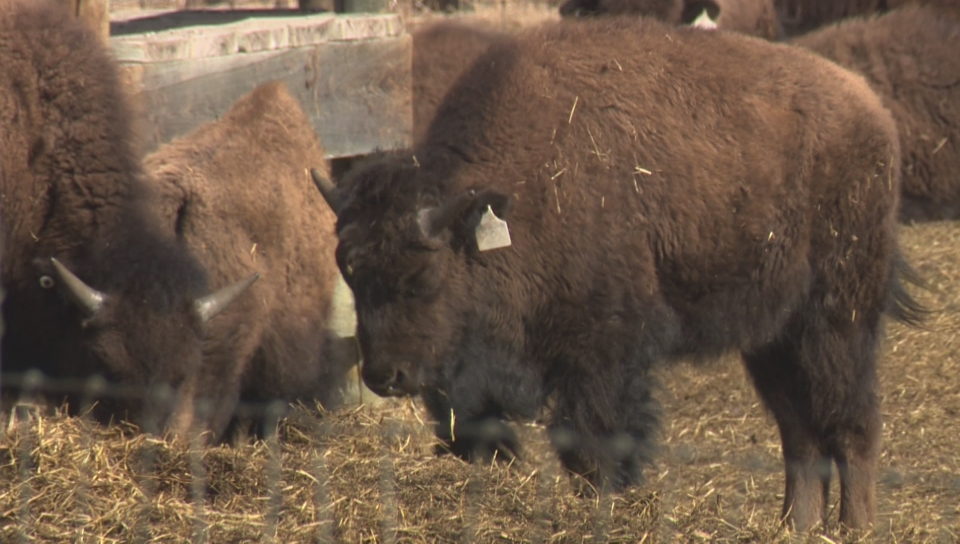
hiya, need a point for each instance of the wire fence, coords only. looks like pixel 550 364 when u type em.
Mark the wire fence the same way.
pixel 370 474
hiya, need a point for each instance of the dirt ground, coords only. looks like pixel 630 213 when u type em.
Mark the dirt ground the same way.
pixel 369 474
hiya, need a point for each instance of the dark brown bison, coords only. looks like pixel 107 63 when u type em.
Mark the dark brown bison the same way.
pixel 669 193
pixel 753 17
pixel 909 56
pixel 94 287
pixel 237 192
pixel 800 16
pixel 441 52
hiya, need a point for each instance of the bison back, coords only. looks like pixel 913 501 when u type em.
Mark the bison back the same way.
pixel 238 192
pixel 716 177
pixel 909 57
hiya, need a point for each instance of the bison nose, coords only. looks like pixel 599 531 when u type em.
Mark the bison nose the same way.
pixel 393 381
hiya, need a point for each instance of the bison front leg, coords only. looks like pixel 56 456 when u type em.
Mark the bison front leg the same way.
pixel 470 435
pixel 603 427
pixel 471 398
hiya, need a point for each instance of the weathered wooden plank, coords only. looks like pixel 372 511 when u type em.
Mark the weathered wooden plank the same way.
pixel 201 34
pixel 356 90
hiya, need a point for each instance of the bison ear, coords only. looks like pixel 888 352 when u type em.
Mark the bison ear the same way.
pixel 328 190
pixel 701 13
pixel 500 203
pixel 209 306
pixel 433 221
pixel 464 209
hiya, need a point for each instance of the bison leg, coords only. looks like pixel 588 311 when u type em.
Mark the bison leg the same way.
pixel 470 436
pixel 779 380
pixel 470 401
pixel 603 427
pixel 822 390
pixel 857 468
pixel 848 417
pixel 854 443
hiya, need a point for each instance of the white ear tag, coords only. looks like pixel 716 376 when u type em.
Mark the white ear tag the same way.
pixel 704 21
pixel 492 232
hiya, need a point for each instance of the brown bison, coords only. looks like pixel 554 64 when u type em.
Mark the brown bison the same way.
pixel 753 17
pixel 800 16
pixel 237 192
pixel 94 287
pixel 441 52
pixel 909 56
pixel 669 193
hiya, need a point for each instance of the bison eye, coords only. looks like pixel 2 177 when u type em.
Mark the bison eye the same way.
pixel 47 282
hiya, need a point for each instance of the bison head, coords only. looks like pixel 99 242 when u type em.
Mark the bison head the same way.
pixel 664 10
pixel 143 332
pixel 405 251
pixel 687 12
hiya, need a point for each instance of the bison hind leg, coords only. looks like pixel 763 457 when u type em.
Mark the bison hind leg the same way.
pixel 821 387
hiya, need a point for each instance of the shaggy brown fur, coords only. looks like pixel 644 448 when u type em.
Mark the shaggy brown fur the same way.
pixel 753 17
pixel 237 193
pixel 441 52
pixel 909 56
pixel 72 189
pixel 671 193
pixel 800 16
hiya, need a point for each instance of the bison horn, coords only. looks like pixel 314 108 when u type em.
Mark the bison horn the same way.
pixel 434 220
pixel 209 306
pixel 328 190
pixel 87 298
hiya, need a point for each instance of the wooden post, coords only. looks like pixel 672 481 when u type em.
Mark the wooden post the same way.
pixel 345 6
pixel 317 5
pixel 94 13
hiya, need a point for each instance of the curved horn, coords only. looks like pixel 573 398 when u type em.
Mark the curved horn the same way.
pixel 87 298
pixel 209 306
pixel 328 190
pixel 434 220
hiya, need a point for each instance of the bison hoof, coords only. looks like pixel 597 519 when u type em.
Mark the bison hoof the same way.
pixel 483 440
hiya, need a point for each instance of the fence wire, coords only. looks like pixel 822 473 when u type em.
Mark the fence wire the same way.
pixel 403 480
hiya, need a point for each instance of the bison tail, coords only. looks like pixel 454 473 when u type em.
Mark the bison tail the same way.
pixel 900 304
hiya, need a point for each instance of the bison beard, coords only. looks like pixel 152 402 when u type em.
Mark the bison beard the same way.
pixel 670 194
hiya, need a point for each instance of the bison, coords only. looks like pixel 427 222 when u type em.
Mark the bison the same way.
pixel 909 58
pixel 596 199
pixel 753 17
pixel 238 194
pixel 93 285
pixel 800 16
